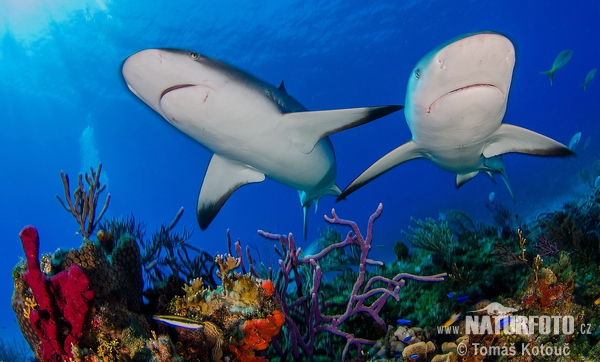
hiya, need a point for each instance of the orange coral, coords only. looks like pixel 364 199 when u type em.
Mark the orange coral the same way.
pixel 268 287
pixel 257 336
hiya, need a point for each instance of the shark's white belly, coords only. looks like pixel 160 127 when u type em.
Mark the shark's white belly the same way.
pixel 455 128
pixel 236 124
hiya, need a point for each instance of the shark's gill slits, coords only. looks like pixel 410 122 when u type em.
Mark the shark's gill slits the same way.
pixel 179 86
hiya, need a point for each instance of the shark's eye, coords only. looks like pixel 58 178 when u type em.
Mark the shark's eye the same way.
pixel 194 56
pixel 417 73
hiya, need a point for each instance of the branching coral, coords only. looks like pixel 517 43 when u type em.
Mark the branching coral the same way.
pixel 306 316
pixel 82 205
pixel 433 236
pixel 165 254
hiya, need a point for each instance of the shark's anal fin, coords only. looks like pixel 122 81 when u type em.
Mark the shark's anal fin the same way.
pixel 222 178
pixel 509 138
pixel 408 151
pixel 308 128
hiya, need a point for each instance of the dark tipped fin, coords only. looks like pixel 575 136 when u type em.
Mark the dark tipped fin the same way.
pixel 406 152
pixel 282 87
pixel 509 138
pixel 308 128
pixel 222 178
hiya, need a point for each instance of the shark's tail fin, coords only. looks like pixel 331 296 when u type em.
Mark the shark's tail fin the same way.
pixel 584 85
pixel 549 73
pixel 507 183
pixel 313 197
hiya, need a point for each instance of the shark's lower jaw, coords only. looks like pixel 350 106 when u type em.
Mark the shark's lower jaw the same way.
pixel 468 87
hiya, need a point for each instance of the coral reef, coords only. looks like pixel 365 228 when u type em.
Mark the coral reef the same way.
pixel 63 302
pixel 82 205
pixel 124 297
pixel 306 314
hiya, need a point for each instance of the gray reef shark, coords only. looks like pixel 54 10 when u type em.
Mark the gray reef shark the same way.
pixel 254 129
pixel 455 102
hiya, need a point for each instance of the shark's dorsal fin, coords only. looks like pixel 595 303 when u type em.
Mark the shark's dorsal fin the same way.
pixel 282 87
pixel 408 151
pixel 308 128
pixel 222 178
pixel 509 138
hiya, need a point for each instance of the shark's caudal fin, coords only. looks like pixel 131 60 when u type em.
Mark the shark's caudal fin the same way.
pixel 550 73
pixel 308 128
pixel 222 178
pixel 408 151
pixel 492 166
pixel 306 199
pixel 507 183
pixel 509 138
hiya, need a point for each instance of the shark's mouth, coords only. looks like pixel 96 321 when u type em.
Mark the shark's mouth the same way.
pixel 470 86
pixel 175 87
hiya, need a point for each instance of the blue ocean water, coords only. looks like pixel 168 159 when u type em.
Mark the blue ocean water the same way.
pixel 65 106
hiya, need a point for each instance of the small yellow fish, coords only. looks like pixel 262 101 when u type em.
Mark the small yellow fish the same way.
pixel 453 318
pixel 178 321
pixel 597 301
pixel 561 60
pixel 591 74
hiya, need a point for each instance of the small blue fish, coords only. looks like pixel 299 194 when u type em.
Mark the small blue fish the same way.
pixel 407 339
pixel 404 322
pixel 450 295
pixel 574 141
pixel 492 196
pixel 504 322
pixel 414 356
pixel 462 299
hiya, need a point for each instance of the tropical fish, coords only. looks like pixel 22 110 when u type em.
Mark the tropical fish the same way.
pixel 588 78
pixel 254 129
pixel 455 101
pixel 574 141
pixel 597 301
pixel 453 318
pixel 492 196
pixel 178 321
pixel 462 299
pixel 587 143
pixel 404 322
pixel 561 60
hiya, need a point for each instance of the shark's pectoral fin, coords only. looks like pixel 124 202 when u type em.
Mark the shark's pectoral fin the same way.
pixel 408 151
pixel 222 178
pixel 462 179
pixel 509 138
pixel 308 128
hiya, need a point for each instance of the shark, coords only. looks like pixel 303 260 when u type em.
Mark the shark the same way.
pixel 456 99
pixel 254 129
